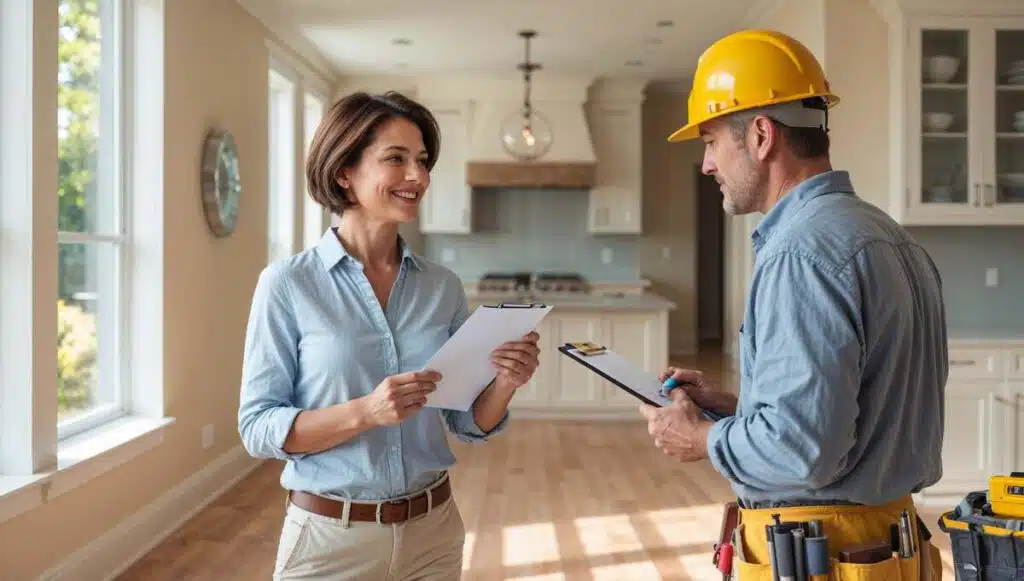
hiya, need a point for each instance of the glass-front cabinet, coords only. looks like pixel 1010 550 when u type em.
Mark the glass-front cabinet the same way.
pixel 962 161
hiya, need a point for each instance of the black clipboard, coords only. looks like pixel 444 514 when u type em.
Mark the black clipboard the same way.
pixel 623 374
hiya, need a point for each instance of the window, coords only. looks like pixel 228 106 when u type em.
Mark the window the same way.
pixel 90 210
pixel 81 351
pixel 313 225
pixel 281 213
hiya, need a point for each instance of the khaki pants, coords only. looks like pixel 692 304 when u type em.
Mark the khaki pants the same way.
pixel 321 548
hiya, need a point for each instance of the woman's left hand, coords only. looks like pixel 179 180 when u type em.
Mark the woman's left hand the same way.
pixel 516 361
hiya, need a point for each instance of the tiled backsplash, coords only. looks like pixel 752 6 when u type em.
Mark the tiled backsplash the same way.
pixel 963 254
pixel 533 230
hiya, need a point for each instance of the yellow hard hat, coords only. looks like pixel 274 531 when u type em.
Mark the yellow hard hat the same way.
pixel 750 69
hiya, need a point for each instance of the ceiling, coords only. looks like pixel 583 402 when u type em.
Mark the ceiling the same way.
pixel 655 39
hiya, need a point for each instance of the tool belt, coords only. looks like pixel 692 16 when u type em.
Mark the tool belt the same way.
pixel 985 546
pixel 827 543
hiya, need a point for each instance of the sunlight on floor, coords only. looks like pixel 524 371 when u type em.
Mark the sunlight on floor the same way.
pixel 640 545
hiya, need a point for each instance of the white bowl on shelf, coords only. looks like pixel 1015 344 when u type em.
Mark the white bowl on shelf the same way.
pixel 941 68
pixel 940 195
pixel 1018 121
pixel 937 121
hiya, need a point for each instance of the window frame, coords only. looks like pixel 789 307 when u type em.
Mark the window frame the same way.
pixel 314 217
pixel 38 461
pixel 282 156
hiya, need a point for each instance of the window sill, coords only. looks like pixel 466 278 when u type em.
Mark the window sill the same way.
pixel 80 459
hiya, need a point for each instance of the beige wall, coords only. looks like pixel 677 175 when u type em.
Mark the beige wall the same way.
pixel 670 210
pixel 216 76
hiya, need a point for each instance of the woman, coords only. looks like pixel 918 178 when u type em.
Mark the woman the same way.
pixel 335 336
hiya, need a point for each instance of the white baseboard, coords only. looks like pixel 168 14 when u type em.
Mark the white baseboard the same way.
pixel 119 548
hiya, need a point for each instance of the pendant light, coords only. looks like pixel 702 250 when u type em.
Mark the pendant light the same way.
pixel 526 133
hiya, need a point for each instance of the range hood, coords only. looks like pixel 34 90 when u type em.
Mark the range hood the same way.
pixel 569 164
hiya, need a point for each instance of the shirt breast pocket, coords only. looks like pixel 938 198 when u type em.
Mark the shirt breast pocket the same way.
pixel 746 345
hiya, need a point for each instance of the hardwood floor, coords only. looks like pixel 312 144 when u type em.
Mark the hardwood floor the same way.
pixel 546 500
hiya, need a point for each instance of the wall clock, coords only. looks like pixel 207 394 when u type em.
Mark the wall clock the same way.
pixel 221 181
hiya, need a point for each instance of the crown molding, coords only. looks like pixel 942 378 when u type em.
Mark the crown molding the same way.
pixel 889 9
pixel 288 36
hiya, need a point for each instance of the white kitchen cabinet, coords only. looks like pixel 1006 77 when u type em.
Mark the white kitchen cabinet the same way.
pixel 984 423
pixel 563 389
pixel 616 198
pixel 958 117
pixel 447 207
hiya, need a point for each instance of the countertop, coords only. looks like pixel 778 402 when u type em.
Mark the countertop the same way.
pixel 594 302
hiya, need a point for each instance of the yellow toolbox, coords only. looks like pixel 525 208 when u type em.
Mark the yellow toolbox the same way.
pixel 1006 495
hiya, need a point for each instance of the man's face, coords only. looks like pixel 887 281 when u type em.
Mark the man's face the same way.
pixel 731 161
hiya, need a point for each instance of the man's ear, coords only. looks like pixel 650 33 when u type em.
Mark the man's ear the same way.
pixel 765 136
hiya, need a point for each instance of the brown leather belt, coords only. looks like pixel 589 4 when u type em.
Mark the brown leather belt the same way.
pixel 386 512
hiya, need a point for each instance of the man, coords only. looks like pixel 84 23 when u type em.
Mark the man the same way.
pixel 843 359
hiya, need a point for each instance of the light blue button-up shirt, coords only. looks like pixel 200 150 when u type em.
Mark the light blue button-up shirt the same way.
pixel 317 337
pixel 843 357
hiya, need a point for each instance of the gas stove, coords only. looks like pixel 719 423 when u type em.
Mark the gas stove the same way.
pixel 533 283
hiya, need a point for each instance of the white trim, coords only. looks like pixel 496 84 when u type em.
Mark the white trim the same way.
pixel 66 237
pixel 144 331
pixel 274 22
pixel 28 246
pixel 107 557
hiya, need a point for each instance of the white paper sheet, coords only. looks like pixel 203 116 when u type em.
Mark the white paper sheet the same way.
pixel 464 361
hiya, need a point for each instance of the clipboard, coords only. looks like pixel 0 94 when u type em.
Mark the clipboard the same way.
pixel 624 374
pixel 464 361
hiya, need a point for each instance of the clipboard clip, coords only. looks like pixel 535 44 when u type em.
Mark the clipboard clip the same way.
pixel 504 305
pixel 587 349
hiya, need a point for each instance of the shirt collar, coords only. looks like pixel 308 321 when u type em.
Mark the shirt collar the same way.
pixel 331 251
pixel 829 182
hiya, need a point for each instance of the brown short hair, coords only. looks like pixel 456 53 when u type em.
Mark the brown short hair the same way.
pixel 349 126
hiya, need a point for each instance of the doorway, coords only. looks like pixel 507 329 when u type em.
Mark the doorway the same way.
pixel 710 262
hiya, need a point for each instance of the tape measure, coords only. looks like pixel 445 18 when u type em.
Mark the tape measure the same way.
pixel 1006 495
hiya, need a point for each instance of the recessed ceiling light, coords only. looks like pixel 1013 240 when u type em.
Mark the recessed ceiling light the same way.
pixel 665 24
pixel 634 63
pixel 401 41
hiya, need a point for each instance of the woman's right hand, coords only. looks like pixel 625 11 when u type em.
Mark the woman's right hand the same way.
pixel 400 396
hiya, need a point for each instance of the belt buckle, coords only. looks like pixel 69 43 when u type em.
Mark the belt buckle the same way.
pixel 380 505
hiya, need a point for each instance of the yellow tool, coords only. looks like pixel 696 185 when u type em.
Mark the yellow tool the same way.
pixel 1006 495
pixel 587 348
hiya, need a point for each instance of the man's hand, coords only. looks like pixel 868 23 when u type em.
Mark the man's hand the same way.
pixel 701 391
pixel 516 361
pixel 678 430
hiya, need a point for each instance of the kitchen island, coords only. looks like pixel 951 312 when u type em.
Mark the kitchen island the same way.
pixel 634 323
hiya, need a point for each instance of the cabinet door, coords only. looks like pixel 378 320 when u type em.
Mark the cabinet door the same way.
pixel 615 199
pixel 944 158
pixel 975 436
pixel 575 385
pixel 447 206
pixel 634 337
pixel 1003 188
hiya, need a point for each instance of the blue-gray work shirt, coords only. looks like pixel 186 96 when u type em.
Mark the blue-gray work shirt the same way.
pixel 843 357
pixel 317 337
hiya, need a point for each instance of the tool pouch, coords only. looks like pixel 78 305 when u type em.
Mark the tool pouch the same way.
pixel 982 549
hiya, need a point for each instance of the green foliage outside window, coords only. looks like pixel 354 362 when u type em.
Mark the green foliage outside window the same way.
pixel 77 123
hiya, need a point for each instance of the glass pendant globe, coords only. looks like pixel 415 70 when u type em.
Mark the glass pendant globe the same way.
pixel 525 136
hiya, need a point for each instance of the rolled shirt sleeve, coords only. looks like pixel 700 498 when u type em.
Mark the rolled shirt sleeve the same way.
pixel 462 423
pixel 798 422
pixel 269 364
